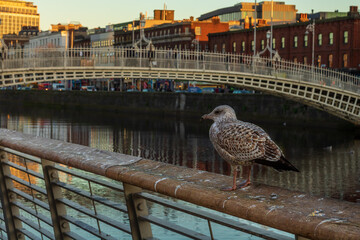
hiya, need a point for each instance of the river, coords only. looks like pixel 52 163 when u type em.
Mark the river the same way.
pixel 328 158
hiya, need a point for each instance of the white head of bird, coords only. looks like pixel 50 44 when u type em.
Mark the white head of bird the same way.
pixel 221 113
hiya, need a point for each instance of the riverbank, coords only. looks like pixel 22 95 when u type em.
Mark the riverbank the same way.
pixel 249 107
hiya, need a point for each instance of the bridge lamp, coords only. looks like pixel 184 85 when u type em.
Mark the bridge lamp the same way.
pixel 311 28
pixel 268 36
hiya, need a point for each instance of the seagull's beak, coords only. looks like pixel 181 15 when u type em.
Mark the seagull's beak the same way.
pixel 204 117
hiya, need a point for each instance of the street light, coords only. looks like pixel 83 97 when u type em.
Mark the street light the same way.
pixel 311 28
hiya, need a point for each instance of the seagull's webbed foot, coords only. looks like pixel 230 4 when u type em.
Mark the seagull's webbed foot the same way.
pixel 228 189
pixel 244 184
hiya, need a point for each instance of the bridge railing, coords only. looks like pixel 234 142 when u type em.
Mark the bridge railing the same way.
pixel 174 59
pixel 56 190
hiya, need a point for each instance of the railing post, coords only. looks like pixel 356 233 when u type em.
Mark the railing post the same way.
pixel 137 207
pixel 10 211
pixel 54 192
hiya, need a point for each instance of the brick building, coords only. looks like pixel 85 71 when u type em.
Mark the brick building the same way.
pixel 337 41
pixel 176 35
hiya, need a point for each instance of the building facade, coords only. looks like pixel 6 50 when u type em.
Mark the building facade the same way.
pixel 60 36
pixel 16 14
pixel 181 35
pixel 281 12
pixel 21 39
pixel 337 42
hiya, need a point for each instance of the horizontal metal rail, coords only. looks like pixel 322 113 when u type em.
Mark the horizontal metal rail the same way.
pixel 43 200
pixel 256 231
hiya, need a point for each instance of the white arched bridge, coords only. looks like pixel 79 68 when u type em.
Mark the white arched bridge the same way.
pixel 335 92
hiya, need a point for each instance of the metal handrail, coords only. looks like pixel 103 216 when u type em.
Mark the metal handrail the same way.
pixel 97 206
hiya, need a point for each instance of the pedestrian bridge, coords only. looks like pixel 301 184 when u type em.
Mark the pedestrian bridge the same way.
pixel 334 92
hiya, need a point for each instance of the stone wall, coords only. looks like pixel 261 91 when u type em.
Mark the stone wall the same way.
pixel 249 107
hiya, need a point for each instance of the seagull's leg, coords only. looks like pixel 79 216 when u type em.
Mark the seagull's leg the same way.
pixel 247 182
pixel 234 181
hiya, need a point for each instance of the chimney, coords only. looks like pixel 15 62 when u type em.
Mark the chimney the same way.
pixel 353 11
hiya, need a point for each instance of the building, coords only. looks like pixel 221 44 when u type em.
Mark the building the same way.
pixel 19 40
pixel 103 38
pixel 60 36
pixel 16 14
pixel 246 10
pixel 181 35
pixel 337 42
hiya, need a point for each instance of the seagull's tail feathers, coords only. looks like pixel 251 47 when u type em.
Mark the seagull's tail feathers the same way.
pixel 281 165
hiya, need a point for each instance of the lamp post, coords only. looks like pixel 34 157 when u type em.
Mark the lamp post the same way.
pixel 268 44
pixel 271 27
pixel 311 28
pixel 255 16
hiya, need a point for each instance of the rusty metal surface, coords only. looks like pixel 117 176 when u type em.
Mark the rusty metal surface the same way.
pixel 294 212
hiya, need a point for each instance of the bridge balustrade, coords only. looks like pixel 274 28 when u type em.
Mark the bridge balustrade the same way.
pixel 173 59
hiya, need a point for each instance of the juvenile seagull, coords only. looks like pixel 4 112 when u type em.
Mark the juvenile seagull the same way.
pixel 242 144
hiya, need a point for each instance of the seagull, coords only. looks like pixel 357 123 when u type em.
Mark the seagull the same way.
pixel 243 144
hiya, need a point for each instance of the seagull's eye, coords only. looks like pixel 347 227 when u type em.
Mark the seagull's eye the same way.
pixel 217 111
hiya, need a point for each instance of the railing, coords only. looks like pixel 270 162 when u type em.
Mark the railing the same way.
pixel 172 59
pixel 56 190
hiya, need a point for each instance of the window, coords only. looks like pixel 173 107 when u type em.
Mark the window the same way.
pixel 330 61
pixel 223 48
pixel 234 47
pixel 346 37
pixel 215 47
pixel 306 40
pixel 262 44
pixel 252 45
pixel 273 43
pixel 320 39
pixel 319 61
pixel 331 38
pixel 345 60
pixel 305 60
pixel 283 42
pixel 295 41
pixel 243 46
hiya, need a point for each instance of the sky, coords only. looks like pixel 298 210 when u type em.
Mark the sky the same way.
pixel 99 13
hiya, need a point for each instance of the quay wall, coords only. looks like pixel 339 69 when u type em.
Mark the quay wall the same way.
pixel 249 107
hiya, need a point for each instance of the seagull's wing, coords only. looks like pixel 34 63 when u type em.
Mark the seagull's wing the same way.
pixel 272 151
pixel 238 142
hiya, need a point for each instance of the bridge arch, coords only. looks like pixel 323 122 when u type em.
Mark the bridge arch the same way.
pixel 330 91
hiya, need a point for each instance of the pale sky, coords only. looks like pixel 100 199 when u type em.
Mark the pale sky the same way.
pixel 99 13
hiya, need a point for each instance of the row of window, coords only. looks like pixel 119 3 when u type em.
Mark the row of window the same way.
pixel 152 34
pixel 283 41
pixel 103 43
pixel 321 63
pixel 18 10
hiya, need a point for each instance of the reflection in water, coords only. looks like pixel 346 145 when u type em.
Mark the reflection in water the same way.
pixel 330 172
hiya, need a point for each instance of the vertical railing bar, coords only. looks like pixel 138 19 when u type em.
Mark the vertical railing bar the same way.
pixel 211 232
pixel 93 203
pixel 9 210
pixel 32 195
pixel 53 193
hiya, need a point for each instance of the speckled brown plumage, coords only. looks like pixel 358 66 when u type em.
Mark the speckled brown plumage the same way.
pixel 242 143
